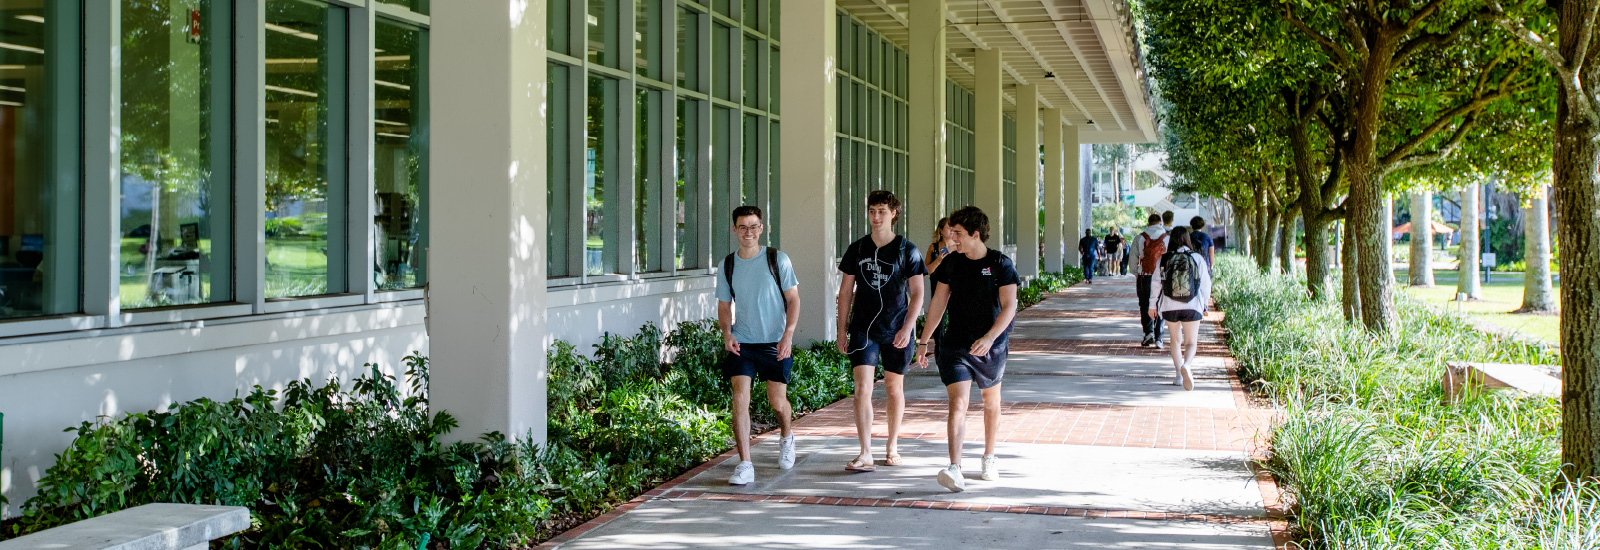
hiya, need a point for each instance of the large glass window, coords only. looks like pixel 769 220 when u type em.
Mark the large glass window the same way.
pixel 40 126
pixel 400 158
pixel 558 194
pixel 671 138
pixel 419 6
pixel 868 147
pixel 176 143
pixel 688 185
pixel 602 24
pixel 959 161
pixel 688 49
pixel 600 174
pixel 646 181
pixel 305 149
pixel 1008 171
pixel 558 27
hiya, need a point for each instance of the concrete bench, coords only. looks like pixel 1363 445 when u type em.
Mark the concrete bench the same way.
pixel 1460 376
pixel 148 527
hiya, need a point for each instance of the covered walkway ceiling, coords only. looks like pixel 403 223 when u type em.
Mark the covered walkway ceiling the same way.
pixel 1099 82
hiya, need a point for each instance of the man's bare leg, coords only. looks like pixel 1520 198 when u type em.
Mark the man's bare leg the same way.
pixel 741 416
pixel 863 409
pixel 895 386
pixel 960 393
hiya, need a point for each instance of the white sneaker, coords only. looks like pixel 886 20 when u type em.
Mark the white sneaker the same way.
pixel 1187 376
pixel 786 452
pixel 743 474
pixel 951 479
pixel 1160 345
pixel 991 471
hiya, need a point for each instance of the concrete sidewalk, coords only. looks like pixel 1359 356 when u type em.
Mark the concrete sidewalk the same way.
pixel 1097 449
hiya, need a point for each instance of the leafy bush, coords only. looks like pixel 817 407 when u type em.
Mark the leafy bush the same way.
pixel 326 466
pixel 317 465
pixel 1367 448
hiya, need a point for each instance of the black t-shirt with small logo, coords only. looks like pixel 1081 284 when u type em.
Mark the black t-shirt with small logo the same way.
pixel 882 274
pixel 974 296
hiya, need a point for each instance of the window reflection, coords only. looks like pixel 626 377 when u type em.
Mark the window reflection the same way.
pixel 399 223
pixel 39 158
pixel 305 146
pixel 176 145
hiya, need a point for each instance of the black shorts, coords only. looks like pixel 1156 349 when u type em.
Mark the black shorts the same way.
pixel 957 365
pixel 870 351
pixel 758 361
pixel 1181 316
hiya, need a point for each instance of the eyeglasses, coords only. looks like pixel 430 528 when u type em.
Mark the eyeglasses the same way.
pixel 748 228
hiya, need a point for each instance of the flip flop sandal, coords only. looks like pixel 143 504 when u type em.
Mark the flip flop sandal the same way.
pixel 859 465
pixel 892 460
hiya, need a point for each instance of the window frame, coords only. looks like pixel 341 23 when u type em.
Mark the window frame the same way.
pixel 100 101
pixel 711 200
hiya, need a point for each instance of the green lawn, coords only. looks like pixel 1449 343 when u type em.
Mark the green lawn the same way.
pixel 1500 297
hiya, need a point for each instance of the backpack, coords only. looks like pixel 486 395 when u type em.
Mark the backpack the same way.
pixel 1180 276
pixel 772 266
pixel 1150 256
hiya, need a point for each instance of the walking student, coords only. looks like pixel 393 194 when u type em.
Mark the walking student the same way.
pixel 880 298
pixel 1202 241
pixel 1147 249
pixel 758 307
pixel 1183 288
pixel 978 286
pixel 1113 244
pixel 1089 253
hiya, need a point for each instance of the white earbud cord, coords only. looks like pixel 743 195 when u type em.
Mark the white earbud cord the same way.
pixel 867 334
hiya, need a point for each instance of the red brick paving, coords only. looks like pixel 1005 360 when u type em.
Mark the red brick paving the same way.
pixel 958 506
pixel 1193 428
pixel 1067 423
pixel 1208 347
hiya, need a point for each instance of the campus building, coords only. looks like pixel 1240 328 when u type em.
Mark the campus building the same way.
pixel 201 196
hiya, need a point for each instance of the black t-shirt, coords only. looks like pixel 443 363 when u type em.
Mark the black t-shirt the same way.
pixel 881 283
pixel 1087 246
pixel 1113 243
pixel 974 296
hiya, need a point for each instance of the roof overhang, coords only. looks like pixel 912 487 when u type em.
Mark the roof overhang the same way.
pixel 1088 45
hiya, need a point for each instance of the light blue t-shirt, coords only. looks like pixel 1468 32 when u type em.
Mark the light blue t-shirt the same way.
pixel 758 313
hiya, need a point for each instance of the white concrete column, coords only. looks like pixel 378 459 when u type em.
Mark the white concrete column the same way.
pixel 1027 259
pixel 925 200
pixel 1072 212
pixel 989 146
pixel 487 285
pixel 809 159
pixel 1054 170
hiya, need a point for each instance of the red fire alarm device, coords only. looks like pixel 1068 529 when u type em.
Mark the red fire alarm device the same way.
pixel 194 26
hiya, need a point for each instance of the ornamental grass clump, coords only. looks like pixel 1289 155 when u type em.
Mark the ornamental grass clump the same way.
pixel 1367 449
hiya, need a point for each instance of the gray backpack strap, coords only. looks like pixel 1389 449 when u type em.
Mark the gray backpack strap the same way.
pixel 727 273
pixel 772 266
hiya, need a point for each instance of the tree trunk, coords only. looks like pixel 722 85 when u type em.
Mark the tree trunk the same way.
pixel 1269 236
pixel 1421 267
pixel 1577 190
pixel 1467 268
pixel 1317 257
pixel 1286 244
pixel 1241 222
pixel 1538 295
pixel 1350 283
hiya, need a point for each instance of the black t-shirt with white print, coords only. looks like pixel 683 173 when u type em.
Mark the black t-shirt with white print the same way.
pixel 974 296
pixel 882 275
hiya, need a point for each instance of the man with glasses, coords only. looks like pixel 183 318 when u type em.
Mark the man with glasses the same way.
pixel 757 283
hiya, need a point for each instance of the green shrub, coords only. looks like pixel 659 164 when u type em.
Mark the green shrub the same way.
pixel 1033 292
pixel 1369 451
pixel 326 466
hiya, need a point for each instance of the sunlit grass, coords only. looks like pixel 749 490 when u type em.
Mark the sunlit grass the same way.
pixel 1501 295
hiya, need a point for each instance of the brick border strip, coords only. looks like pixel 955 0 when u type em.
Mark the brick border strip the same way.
pixel 958 506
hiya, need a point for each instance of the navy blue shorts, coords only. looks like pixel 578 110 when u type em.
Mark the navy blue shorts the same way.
pixel 957 365
pixel 758 361
pixel 870 351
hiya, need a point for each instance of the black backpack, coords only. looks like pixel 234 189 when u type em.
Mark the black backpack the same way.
pixel 772 266
pixel 1180 276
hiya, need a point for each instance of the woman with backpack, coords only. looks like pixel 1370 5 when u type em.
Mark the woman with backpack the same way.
pixel 1183 288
